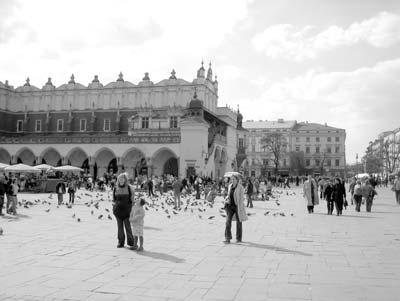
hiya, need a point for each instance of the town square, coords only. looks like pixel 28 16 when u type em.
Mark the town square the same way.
pixel 214 150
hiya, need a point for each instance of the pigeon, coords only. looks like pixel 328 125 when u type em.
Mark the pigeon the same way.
pixel 211 217
pixel 174 212
pixel 100 216
pixel 169 216
pixel 109 217
pixel 292 214
pixel 107 210
pixel 92 212
pixel 1 231
pixel 73 216
pixel 48 210
pixel 78 219
pixel 266 213
pixel 223 215
pixel 276 202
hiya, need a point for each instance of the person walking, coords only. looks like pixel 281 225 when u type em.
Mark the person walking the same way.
pixel 357 195
pixel 123 199
pixel 71 191
pixel 339 194
pixel 60 190
pixel 396 189
pixel 351 189
pixel 371 193
pixel 249 193
pixel 13 191
pixel 2 193
pixel 234 206
pixel 150 186
pixel 328 196
pixel 310 193
pixel 177 187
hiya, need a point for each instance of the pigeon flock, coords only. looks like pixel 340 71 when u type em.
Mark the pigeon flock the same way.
pixel 99 205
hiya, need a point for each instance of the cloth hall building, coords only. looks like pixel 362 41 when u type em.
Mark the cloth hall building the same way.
pixel 170 127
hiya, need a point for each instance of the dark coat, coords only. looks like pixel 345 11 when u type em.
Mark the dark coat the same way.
pixel 339 193
pixel 328 193
pixel 62 185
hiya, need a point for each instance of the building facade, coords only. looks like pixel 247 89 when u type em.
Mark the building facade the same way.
pixel 170 127
pixel 307 148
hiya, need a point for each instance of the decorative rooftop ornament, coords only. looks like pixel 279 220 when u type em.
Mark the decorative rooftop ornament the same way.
pixel 27 84
pixel 146 76
pixel 120 77
pixel 96 79
pixel 49 83
pixel 72 80
pixel 201 71
pixel 173 74
pixel 209 72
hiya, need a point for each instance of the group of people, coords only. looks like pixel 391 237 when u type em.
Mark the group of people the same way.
pixel 8 194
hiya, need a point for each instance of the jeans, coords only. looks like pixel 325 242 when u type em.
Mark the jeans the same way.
pixel 310 209
pixel 230 212
pixel 1 203
pixel 330 206
pixel 397 192
pixel 339 207
pixel 369 203
pixel 121 233
pixel 13 204
pixel 250 200
pixel 358 200
pixel 71 197
pixel 60 198
pixel 177 200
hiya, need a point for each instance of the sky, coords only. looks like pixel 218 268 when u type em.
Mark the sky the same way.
pixel 307 60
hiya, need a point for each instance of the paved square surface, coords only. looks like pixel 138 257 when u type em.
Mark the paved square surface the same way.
pixel 287 254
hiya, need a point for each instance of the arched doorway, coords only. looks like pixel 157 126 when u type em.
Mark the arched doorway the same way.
pixel 171 167
pixel 77 157
pixel 5 156
pixel 104 159
pixel 52 157
pixel 134 162
pixel 26 156
pixel 164 162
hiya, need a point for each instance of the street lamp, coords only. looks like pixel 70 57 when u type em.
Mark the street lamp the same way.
pixel 357 163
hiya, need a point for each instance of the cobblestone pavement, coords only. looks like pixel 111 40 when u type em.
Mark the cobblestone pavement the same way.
pixel 47 254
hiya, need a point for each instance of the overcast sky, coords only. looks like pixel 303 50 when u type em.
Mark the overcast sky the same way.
pixel 334 61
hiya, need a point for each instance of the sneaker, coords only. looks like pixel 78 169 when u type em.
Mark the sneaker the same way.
pixel 140 249
pixel 238 240
pixel 226 242
pixel 134 248
pixel 120 245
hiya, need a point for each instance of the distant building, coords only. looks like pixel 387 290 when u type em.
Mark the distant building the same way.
pixel 170 127
pixel 321 148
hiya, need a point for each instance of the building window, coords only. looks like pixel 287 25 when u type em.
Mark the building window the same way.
pixel 308 162
pixel 317 139
pixel 241 143
pixel 308 139
pixel 329 139
pixel 328 163
pixel 107 125
pixel 317 149
pixel 38 125
pixel 337 139
pixel 253 148
pixel 60 125
pixel 337 162
pixel 265 162
pixel 173 122
pixel 328 150
pixel 83 125
pixel 317 162
pixel 297 148
pixel 337 149
pixel 145 122
pixel 307 149
pixel 297 139
pixel 20 126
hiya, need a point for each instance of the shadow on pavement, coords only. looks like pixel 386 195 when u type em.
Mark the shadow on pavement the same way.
pixel 273 248
pixel 152 228
pixel 15 217
pixel 161 256
pixel 346 215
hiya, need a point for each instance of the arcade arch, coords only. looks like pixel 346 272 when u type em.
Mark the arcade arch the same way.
pixel 5 156
pixel 165 161
pixel 106 161
pixel 25 156
pixel 51 156
pixel 134 162
pixel 77 157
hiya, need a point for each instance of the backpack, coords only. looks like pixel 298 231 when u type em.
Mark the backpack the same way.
pixel 357 190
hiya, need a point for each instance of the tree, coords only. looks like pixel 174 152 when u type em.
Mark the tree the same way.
pixel 276 144
pixel 297 162
pixel 391 155
pixel 373 163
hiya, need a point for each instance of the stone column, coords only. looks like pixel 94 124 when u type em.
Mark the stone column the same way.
pixel 119 164
pixel 38 160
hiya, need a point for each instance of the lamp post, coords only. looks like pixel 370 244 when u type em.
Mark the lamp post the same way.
pixel 357 163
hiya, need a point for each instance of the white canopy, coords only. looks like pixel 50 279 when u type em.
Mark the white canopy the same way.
pixel 44 167
pixel 22 168
pixel 229 174
pixel 67 168
pixel 2 166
